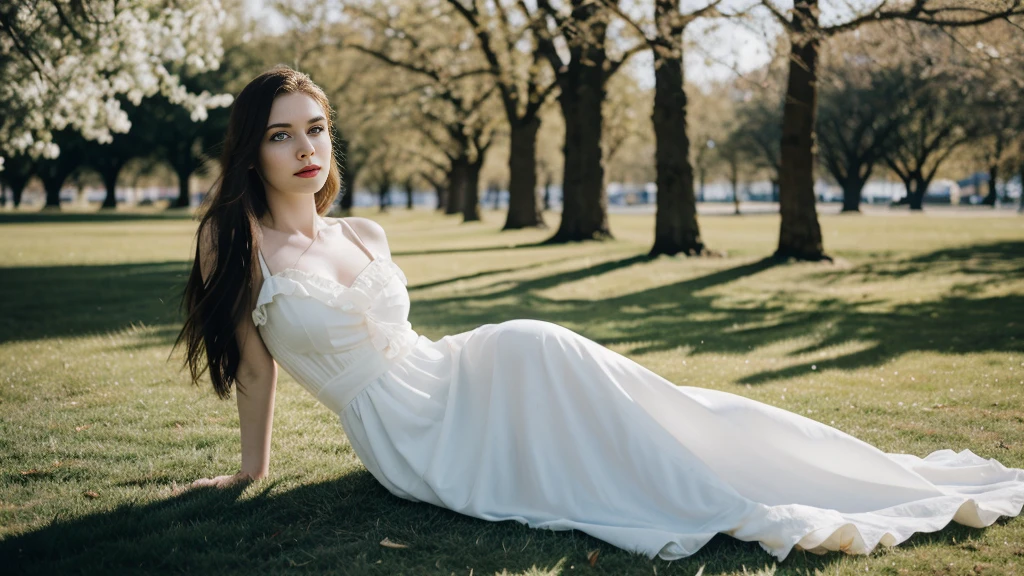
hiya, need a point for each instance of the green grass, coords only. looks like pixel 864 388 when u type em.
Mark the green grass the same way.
pixel 913 341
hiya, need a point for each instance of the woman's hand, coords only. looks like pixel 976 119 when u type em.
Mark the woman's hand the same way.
pixel 223 481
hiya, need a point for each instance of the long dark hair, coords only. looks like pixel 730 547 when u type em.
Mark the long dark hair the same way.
pixel 232 211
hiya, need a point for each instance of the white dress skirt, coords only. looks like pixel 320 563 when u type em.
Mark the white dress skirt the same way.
pixel 526 420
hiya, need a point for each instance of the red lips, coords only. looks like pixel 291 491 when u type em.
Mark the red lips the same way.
pixel 308 171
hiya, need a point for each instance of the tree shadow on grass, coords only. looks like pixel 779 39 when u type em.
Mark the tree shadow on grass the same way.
pixel 481 274
pixel 687 314
pixel 468 250
pixel 950 325
pixel 68 301
pixel 56 217
pixel 1004 259
pixel 337 526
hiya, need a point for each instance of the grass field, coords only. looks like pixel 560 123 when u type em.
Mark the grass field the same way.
pixel 913 340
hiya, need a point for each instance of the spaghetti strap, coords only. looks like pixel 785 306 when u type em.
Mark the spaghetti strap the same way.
pixel 263 263
pixel 359 241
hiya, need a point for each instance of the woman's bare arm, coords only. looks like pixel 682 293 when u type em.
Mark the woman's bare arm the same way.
pixel 257 377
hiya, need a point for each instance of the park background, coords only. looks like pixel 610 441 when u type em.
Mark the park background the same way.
pixel 815 206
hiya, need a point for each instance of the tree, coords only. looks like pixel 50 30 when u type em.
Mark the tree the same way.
pixel 17 172
pixel 799 232
pixel 711 111
pixel 450 88
pixel 997 117
pixel 55 171
pixel 524 90
pixel 755 138
pixel 581 81
pixel 108 160
pixel 628 143
pixel 734 152
pixel 65 62
pixel 931 124
pixel 676 229
pixel 856 123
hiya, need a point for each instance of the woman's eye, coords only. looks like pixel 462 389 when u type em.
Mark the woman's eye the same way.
pixel 318 129
pixel 275 136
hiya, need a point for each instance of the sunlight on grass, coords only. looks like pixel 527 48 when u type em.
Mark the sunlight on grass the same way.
pixel 912 341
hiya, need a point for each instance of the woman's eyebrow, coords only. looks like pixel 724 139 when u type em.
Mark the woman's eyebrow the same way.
pixel 286 125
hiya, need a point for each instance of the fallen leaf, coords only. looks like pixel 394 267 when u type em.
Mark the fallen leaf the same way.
pixel 31 471
pixel 90 494
pixel 389 544
pixel 592 556
pixel 80 428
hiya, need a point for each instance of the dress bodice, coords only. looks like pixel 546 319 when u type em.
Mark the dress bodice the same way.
pixel 334 339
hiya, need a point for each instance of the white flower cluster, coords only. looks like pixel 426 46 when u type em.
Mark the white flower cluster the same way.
pixel 65 62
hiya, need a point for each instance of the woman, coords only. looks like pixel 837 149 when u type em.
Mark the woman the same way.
pixel 521 420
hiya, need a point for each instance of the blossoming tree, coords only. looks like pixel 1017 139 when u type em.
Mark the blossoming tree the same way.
pixel 65 63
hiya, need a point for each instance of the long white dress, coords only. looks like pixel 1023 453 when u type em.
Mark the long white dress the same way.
pixel 526 420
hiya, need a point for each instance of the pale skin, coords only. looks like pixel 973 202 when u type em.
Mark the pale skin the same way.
pixel 296 138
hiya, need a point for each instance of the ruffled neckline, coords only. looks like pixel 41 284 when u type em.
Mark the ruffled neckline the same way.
pixel 358 296
pixel 325 282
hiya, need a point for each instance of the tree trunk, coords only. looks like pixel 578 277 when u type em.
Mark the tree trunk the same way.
pixel 853 190
pixel 349 199
pixel 993 174
pixel 916 188
pixel 442 195
pixel 1020 199
pixel 16 176
pixel 346 199
pixel 675 221
pixel 409 189
pixel 53 173
pixel 734 177
pixel 16 192
pixel 799 233
pixel 457 185
pixel 183 200
pixel 523 211
pixel 382 193
pixel 346 176
pixel 471 191
pixel 52 187
pixel 109 175
pixel 584 199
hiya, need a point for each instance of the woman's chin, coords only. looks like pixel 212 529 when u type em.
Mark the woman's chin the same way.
pixel 308 188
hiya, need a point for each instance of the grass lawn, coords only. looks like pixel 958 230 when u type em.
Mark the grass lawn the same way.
pixel 913 340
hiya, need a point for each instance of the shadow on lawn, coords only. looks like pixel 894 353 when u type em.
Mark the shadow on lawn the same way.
pixel 337 526
pixel 100 216
pixel 494 248
pixel 67 301
pixel 685 315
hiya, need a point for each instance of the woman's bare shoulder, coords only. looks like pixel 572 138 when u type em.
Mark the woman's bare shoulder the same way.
pixel 371 233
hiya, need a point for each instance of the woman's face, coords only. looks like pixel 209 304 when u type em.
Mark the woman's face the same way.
pixel 295 142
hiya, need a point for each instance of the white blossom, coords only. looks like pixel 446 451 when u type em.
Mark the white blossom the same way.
pixel 71 76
